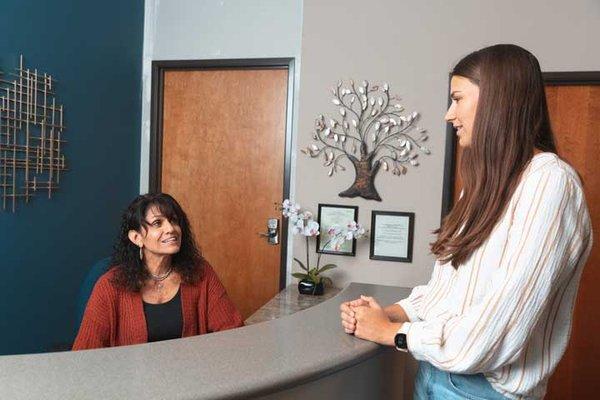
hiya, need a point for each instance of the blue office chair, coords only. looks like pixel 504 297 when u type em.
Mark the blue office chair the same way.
pixel 85 290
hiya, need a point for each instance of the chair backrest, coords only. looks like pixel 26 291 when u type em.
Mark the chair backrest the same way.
pixel 85 290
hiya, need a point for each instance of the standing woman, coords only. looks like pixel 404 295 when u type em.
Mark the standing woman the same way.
pixel 494 320
pixel 160 286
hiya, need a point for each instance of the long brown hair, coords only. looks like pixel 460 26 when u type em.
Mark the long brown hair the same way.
pixel 130 270
pixel 511 120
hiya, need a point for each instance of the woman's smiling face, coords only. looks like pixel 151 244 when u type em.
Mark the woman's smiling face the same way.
pixel 160 236
pixel 461 114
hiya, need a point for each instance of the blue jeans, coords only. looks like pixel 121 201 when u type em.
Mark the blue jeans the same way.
pixel 434 384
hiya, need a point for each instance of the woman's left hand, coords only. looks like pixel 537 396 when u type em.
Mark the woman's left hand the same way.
pixel 373 324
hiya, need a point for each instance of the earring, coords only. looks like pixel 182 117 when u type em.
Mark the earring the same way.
pixel 141 253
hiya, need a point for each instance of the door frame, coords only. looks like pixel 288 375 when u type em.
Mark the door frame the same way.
pixel 159 67
pixel 552 78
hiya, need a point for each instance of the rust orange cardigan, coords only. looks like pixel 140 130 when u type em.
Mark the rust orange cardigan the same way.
pixel 115 316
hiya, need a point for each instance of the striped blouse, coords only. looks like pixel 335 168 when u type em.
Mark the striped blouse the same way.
pixel 507 311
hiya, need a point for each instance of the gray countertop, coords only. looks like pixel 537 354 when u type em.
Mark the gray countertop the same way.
pixel 253 360
pixel 288 301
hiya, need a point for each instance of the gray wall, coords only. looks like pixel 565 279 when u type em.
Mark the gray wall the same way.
pixel 410 44
pixel 205 30
pixel 413 45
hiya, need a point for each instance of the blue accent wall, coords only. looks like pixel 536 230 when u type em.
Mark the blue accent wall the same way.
pixel 94 50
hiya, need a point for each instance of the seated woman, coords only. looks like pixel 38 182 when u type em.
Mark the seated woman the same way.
pixel 160 286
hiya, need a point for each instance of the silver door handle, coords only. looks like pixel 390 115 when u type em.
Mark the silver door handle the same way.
pixel 272 233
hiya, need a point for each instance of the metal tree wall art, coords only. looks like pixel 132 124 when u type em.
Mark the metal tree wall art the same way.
pixel 31 126
pixel 372 132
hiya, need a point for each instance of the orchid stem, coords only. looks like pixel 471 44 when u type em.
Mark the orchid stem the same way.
pixel 324 248
pixel 307 260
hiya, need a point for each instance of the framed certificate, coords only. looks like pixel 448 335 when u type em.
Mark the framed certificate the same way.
pixel 333 214
pixel 392 236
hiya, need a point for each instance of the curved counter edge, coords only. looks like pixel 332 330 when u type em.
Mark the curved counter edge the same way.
pixel 255 360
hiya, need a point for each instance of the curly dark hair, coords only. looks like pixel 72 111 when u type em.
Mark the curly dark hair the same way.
pixel 130 270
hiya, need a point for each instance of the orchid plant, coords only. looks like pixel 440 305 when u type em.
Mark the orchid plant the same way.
pixel 302 223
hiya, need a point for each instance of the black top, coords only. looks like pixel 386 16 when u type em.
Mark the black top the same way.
pixel 164 321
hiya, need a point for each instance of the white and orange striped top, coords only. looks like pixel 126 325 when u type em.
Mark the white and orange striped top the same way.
pixel 507 311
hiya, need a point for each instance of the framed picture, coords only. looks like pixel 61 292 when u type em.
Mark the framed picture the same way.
pixel 333 214
pixel 392 236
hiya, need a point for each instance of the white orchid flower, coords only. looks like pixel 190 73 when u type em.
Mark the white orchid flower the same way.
pixel 307 215
pixel 360 232
pixel 288 208
pixel 353 230
pixel 311 228
pixel 334 230
pixel 298 226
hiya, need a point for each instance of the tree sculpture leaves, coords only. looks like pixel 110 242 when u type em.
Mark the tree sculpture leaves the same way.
pixel 372 132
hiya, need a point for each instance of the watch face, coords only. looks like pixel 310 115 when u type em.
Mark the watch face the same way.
pixel 400 341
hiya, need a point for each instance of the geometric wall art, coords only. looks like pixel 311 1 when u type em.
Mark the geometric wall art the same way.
pixel 31 137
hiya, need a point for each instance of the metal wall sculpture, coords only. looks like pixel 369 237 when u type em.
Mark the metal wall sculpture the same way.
pixel 372 133
pixel 31 136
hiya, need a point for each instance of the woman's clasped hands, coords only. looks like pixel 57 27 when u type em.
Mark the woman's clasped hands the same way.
pixel 366 319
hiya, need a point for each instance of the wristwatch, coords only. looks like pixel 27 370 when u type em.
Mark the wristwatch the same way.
pixel 400 342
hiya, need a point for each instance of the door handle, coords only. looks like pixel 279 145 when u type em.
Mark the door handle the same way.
pixel 272 233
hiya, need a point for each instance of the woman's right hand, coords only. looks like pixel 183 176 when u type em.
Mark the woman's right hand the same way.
pixel 347 314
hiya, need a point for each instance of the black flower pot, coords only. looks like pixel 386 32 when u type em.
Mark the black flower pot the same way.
pixel 309 287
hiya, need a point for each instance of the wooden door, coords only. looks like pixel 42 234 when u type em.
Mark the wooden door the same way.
pixel 575 117
pixel 223 149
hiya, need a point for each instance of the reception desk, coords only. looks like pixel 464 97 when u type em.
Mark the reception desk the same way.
pixel 303 355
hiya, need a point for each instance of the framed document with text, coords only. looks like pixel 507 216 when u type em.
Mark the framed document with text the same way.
pixel 334 214
pixel 392 236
